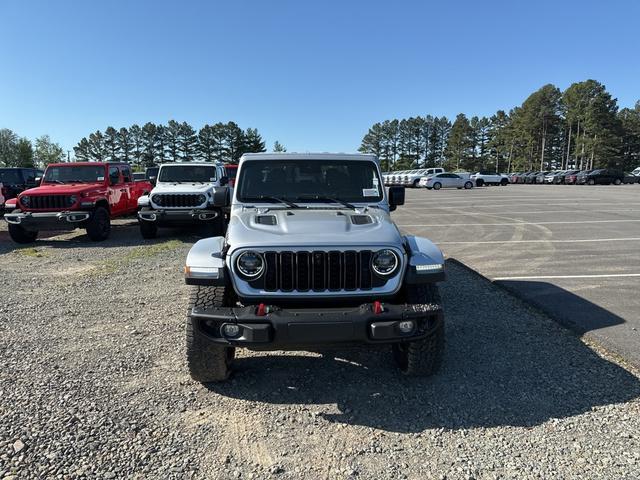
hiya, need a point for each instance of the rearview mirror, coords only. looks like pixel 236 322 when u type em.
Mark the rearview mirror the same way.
pixel 395 196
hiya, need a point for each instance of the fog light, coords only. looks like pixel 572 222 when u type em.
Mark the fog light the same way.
pixel 230 330
pixel 406 326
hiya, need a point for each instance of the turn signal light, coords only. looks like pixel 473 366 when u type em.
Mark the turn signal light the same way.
pixel 262 310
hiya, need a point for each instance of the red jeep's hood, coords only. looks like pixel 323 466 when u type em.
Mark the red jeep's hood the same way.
pixel 67 188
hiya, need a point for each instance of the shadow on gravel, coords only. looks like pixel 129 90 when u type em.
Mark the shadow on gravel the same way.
pixel 122 235
pixel 505 365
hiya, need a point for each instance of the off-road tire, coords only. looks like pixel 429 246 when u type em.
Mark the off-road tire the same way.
pixel 468 185
pixel 99 225
pixel 207 361
pixel 421 358
pixel 148 230
pixel 479 182
pixel 19 235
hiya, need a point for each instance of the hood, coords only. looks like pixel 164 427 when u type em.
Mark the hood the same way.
pixel 311 227
pixel 60 189
pixel 196 187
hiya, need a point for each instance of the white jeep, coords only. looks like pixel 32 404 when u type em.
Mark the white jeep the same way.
pixel 185 194
pixel 484 177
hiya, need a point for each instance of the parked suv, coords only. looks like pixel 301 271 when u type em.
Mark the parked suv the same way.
pixel 484 177
pixel 75 195
pixel 185 194
pixel 17 179
pixel 311 257
pixel 604 176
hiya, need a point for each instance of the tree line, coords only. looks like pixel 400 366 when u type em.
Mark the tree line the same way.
pixel 153 144
pixel 581 127
pixel 16 151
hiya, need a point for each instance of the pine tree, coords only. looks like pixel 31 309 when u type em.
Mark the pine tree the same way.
pixel 253 142
pixel 82 151
pixel 97 151
pixel 172 139
pixel 24 153
pixel 278 147
pixel 460 143
pixel 111 145
pixel 125 145
pixel 149 145
pixel 135 136
pixel 187 142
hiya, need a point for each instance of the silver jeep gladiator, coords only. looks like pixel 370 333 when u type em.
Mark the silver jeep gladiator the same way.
pixel 312 258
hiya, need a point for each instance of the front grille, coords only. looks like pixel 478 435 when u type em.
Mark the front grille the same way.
pixel 44 202
pixel 318 271
pixel 177 200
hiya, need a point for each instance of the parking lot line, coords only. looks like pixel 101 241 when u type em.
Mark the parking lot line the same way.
pixel 628 239
pixel 518 223
pixel 556 277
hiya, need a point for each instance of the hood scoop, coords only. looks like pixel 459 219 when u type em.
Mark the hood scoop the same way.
pixel 266 219
pixel 361 219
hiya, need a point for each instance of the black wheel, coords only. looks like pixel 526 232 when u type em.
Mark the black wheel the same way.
pixel 591 181
pixel 148 229
pixel 19 235
pixel 416 182
pixel 479 182
pixel 437 186
pixel 99 225
pixel 468 185
pixel 504 182
pixel 617 181
pixel 208 361
pixel 421 357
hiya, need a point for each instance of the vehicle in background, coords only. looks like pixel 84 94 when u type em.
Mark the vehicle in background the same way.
pixel 540 176
pixel 486 177
pixel 16 180
pixel 636 172
pixel 1 198
pixel 561 178
pixel 231 169
pixel 581 178
pixel 447 180
pixel 186 193
pixel 139 176
pixel 630 178
pixel 312 258
pixel 551 176
pixel 604 176
pixel 412 179
pixel 75 195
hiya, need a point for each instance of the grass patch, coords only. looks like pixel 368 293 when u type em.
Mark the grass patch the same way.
pixel 31 252
pixel 137 253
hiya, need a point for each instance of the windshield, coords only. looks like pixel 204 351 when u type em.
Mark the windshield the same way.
pixel 74 174
pixel 188 173
pixel 302 180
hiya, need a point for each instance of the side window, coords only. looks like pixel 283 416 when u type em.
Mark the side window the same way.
pixel 114 176
pixel 126 174
pixel 29 176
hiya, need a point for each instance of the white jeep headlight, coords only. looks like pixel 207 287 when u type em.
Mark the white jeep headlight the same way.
pixel 384 262
pixel 250 264
pixel 201 199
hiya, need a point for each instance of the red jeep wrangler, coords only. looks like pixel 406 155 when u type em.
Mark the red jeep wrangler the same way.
pixel 75 195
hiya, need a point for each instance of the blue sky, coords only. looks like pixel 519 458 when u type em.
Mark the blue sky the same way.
pixel 313 75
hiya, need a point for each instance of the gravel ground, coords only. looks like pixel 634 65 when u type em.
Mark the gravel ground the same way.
pixel 93 384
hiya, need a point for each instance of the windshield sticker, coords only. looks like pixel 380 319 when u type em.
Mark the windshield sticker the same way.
pixel 369 192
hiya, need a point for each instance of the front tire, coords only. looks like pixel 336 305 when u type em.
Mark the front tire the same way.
pixel 19 235
pixel 468 185
pixel 437 186
pixel 479 182
pixel 148 230
pixel 207 361
pixel 504 182
pixel 99 225
pixel 617 181
pixel 421 358
pixel 591 181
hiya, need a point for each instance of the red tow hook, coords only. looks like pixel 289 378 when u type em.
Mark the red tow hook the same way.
pixel 262 310
pixel 377 307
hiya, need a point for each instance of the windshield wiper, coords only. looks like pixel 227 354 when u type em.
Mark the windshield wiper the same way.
pixel 327 199
pixel 273 199
pixel 53 181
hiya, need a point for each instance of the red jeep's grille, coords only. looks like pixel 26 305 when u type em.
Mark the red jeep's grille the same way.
pixel 48 202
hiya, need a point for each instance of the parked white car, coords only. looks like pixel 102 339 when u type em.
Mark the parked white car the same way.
pixel 484 177
pixel 447 180
pixel 636 172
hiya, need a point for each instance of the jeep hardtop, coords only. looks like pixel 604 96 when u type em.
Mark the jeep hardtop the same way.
pixel 311 258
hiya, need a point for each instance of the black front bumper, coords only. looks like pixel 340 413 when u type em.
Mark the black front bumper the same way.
pixel 177 217
pixel 36 221
pixel 285 329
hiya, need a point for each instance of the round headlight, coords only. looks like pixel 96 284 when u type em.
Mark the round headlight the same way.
pixel 157 199
pixel 201 199
pixel 384 262
pixel 25 200
pixel 72 200
pixel 250 264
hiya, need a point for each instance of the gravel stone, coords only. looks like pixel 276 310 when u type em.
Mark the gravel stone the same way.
pixel 93 384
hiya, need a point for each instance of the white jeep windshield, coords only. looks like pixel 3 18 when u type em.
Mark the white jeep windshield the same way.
pixel 188 173
pixel 309 181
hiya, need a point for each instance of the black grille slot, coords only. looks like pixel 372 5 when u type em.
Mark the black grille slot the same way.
pixel 361 219
pixel 266 219
pixel 177 200
pixel 319 271
pixel 49 202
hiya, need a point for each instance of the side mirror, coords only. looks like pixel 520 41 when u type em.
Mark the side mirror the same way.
pixel 152 180
pixel 37 181
pixel 395 196
pixel 224 181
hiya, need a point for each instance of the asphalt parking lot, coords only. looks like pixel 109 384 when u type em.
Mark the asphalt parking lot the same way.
pixel 573 251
